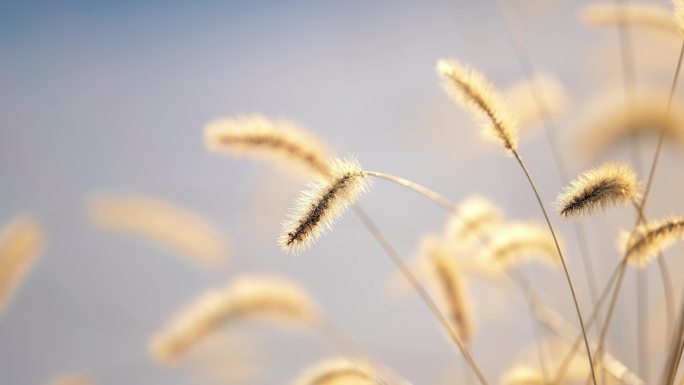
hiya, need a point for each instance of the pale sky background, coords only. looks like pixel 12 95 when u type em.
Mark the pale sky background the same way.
pixel 113 97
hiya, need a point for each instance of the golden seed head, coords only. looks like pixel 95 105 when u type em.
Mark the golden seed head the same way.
pixel 645 15
pixel 324 202
pixel 606 122
pixel 650 239
pixel 272 299
pixel 280 141
pixel 448 281
pixel 609 185
pixel 21 242
pixel 167 224
pixel 470 89
pixel 340 371
pixel 476 216
pixel 517 242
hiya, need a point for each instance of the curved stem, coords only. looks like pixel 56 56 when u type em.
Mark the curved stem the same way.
pixel 641 217
pixel 550 131
pixel 520 280
pixel 430 194
pixel 659 147
pixel 593 317
pixel 565 267
pixel 611 310
pixel 676 349
pixel 666 279
pixel 642 321
pixel 426 298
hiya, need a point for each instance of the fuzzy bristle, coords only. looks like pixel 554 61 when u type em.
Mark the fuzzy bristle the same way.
pixel 517 242
pixel 248 297
pixel 650 239
pixel 599 188
pixel 324 202
pixel 340 371
pixel 470 89
pixel 645 15
pixel 448 280
pixel 476 216
pixel 281 141
pixel 164 223
pixel 21 242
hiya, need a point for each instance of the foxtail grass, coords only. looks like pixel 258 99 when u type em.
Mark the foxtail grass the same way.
pixel 448 280
pixel 598 188
pixel 281 141
pixel 323 203
pixel 21 242
pixel 632 15
pixel 167 224
pixel 273 299
pixel 341 371
pixel 544 106
pixel 473 91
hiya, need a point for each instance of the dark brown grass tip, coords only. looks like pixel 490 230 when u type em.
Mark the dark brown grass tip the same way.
pixel 599 188
pixel 324 202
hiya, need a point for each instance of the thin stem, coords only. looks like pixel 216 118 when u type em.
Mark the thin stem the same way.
pixel 563 329
pixel 550 131
pixel 626 54
pixel 411 278
pixel 642 321
pixel 656 157
pixel 520 280
pixel 611 310
pixel 565 267
pixel 649 183
pixel 565 364
pixel 666 278
pixel 430 194
pixel 627 58
pixel 674 358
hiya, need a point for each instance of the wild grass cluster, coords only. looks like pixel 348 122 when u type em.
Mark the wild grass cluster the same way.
pixel 478 238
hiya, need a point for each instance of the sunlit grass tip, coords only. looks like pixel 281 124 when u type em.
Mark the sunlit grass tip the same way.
pixel 164 223
pixel 281 141
pixel 609 185
pixel 449 282
pixel 606 122
pixel 518 242
pixel 340 371
pixel 21 242
pixel 322 204
pixel 247 297
pixel 650 239
pixel 477 216
pixel 470 89
pixel 645 15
